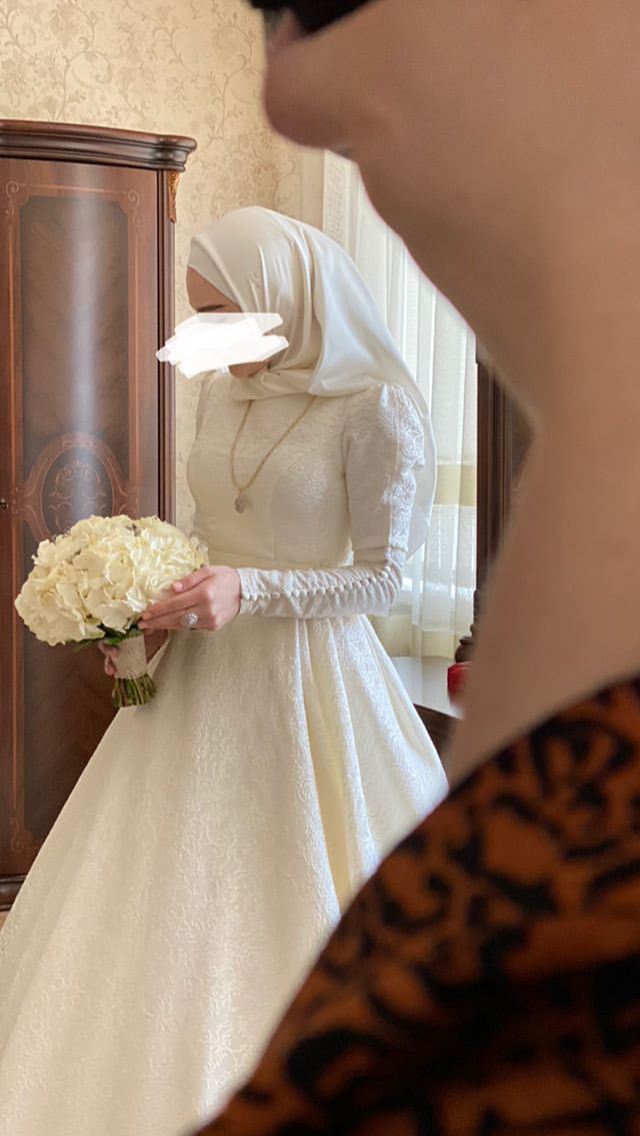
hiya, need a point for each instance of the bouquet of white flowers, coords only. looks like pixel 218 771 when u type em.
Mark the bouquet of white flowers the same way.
pixel 92 583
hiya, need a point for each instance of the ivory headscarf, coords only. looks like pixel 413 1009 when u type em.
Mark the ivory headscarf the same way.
pixel 338 343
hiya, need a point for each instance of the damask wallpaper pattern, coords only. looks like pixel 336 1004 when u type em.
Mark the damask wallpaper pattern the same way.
pixel 188 67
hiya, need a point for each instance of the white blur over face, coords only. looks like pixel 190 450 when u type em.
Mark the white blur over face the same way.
pixel 203 297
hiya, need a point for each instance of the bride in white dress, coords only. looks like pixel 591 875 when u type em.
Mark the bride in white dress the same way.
pixel 216 834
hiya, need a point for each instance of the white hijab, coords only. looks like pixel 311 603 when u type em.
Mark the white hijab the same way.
pixel 338 343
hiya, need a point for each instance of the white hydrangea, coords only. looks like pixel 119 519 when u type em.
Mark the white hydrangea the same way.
pixel 97 577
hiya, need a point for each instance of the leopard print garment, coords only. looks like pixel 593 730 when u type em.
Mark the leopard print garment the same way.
pixel 487 979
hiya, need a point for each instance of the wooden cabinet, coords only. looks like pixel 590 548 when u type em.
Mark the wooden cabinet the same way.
pixel 504 437
pixel 503 440
pixel 425 681
pixel 86 419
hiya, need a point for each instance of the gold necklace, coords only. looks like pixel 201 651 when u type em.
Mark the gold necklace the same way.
pixel 241 500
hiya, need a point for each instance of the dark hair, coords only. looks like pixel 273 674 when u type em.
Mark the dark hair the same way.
pixel 312 14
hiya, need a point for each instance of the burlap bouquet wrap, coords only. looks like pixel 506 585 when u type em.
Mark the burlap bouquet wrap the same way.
pixel 132 686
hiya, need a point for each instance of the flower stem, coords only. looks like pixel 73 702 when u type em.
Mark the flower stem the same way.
pixel 133 691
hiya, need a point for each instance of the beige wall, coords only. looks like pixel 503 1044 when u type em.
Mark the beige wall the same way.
pixel 172 66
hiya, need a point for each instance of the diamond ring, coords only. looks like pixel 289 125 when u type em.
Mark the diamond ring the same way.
pixel 189 619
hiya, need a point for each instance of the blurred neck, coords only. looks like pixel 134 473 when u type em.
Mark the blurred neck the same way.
pixel 246 370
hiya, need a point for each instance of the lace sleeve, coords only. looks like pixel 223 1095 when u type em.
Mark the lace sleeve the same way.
pixel 383 442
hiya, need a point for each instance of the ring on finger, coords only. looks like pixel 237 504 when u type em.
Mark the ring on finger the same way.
pixel 190 619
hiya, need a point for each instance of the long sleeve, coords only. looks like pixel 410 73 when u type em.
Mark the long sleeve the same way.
pixel 383 443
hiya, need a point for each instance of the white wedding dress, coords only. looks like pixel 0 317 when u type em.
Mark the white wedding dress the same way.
pixel 216 833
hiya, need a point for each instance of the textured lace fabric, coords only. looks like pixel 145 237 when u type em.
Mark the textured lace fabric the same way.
pixel 215 835
pixel 381 444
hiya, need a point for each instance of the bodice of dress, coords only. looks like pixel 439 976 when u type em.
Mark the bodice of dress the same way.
pixel 326 523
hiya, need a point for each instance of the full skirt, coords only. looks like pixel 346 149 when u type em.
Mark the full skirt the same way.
pixel 196 869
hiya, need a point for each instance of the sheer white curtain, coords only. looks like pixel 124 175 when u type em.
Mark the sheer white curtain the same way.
pixel 436 605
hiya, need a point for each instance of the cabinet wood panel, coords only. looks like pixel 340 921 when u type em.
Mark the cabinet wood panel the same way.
pixel 86 297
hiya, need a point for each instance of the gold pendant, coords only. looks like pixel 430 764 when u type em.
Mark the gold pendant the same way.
pixel 240 503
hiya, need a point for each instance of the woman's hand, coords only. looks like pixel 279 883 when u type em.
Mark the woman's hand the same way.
pixel 153 641
pixel 213 593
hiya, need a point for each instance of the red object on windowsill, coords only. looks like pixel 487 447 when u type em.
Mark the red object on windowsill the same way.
pixel 456 678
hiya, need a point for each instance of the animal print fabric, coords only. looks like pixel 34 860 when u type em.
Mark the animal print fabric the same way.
pixel 487 978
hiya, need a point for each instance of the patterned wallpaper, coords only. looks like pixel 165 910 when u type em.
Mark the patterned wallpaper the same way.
pixel 187 67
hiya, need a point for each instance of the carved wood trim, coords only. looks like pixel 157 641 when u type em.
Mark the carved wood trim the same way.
pixel 28 499
pixel 166 374
pixel 173 177
pixel 94 144
pixel 13 794
pixel 19 195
